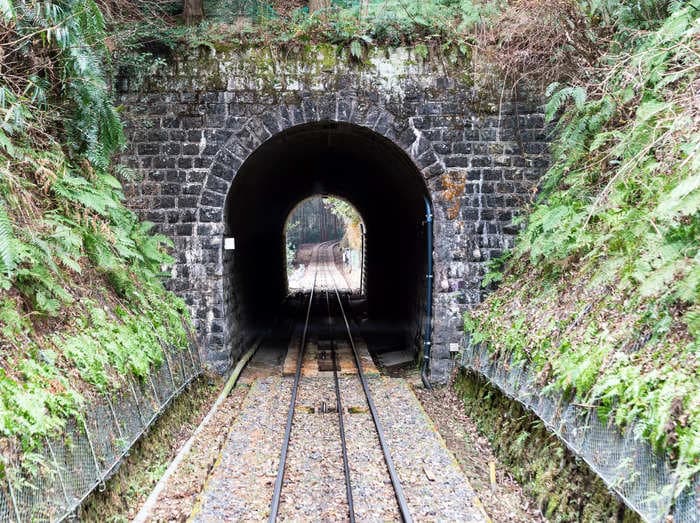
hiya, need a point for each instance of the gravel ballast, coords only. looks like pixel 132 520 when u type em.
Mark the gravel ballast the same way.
pixel 240 487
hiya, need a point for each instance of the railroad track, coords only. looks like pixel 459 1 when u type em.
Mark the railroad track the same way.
pixel 325 306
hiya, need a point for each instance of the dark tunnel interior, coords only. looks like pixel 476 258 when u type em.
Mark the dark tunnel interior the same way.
pixel 343 160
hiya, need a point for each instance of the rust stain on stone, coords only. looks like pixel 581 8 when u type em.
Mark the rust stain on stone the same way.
pixel 453 183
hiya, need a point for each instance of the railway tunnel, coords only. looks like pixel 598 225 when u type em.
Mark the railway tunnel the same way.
pixel 344 160
pixel 227 151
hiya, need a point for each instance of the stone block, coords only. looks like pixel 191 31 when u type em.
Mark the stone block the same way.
pixel 457 161
pixel 172 189
pixel 210 214
pixel 172 149
pixel 145 149
pixel 164 162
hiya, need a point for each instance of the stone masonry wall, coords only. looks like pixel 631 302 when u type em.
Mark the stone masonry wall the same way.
pixel 193 126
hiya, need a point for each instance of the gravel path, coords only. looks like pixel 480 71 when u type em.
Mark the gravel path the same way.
pixel 435 486
pixel 504 501
pixel 372 490
pixel 178 498
pixel 328 271
pixel 314 487
pixel 314 484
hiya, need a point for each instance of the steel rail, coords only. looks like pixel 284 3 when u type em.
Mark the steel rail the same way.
pixel 274 506
pixel 339 409
pixel 395 481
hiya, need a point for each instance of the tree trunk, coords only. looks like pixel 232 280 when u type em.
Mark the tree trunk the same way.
pixel 317 5
pixel 364 9
pixel 193 11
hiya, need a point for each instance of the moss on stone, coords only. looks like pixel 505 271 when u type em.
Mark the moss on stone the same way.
pixel 212 66
pixel 563 485
pixel 326 55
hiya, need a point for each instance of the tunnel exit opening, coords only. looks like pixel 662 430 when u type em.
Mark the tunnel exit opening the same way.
pixel 325 219
pixel 366 170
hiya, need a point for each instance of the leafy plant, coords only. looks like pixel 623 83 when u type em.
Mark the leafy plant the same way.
pixel 495 268
pixel 81 297
pixel 602 293
pixel 7 240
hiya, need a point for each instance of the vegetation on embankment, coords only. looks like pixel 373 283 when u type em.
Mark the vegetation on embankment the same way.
pixel 148 34
pixel 82 305
pixel 154 29
pixel 602 293
pixel 126 491
pixel 352 239
pixel 563 486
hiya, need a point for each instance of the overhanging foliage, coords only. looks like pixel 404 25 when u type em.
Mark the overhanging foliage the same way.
pixel 602 293
pixel 81 298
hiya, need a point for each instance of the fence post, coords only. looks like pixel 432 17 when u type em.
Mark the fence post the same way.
pixel 13 498
pixel 136 401
pixel 58 472
pixel 185 377
pixel 167 363
pixel 153 386
pixel 92 450
pixel 114 417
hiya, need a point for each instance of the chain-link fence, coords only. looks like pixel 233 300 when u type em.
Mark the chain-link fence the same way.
pixel 624 460
pixel 50 486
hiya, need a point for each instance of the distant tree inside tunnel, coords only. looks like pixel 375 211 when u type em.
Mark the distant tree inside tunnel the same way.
pixel 322 219
pixel 314 221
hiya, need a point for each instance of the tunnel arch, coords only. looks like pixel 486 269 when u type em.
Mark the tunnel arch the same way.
pixel 191 130
pixel 242 139
pixel 374 174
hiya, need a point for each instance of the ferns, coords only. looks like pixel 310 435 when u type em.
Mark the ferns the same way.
pixel 79 274
pixel 7 250
pixel 7 9
pixel 617 232
pixel 559 96
pixel 684 198
pixel 590 144
pixel 642 14
pixel 74 29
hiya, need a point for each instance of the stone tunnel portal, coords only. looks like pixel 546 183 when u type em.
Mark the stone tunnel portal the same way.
pixel 356 164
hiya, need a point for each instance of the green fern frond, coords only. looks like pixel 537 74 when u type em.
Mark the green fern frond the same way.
pixel 7 9
pixel 7 239
pixel 99 251
pixel 560 96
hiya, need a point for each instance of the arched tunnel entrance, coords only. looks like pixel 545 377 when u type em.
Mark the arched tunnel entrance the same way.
pixel 376 177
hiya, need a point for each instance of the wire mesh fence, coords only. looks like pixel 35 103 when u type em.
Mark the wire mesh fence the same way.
pixel 644 480
pixel 51 485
